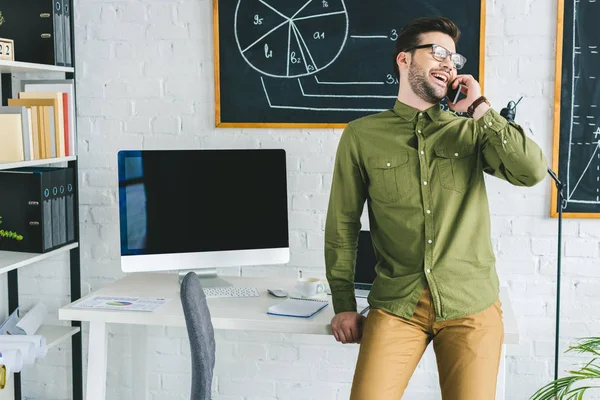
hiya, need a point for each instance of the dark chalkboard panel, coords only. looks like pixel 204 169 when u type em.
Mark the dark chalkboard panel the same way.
pixel 320 63
pixel 577 109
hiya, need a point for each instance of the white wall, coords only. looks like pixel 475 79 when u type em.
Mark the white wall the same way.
pixel 145 80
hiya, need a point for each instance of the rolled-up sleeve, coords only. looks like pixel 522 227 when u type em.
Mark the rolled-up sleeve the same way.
pixel 342 226
pixel 508 153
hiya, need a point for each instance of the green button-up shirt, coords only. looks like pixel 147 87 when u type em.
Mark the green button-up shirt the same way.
pixel 421 174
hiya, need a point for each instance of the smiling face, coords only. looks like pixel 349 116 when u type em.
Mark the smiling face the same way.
pixel 429 78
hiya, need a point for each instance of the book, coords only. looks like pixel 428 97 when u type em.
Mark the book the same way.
pixel 11 136
pixel 59 127
pixel 65 86
pixel 25 127
pixel 46 110
pixel 300 308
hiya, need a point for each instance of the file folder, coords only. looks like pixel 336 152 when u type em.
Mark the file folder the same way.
pixel 25 207
pixel 37 28
pixel 67 29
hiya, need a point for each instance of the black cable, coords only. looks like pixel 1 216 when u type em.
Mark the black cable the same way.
pixel 509 113
pixel 561 206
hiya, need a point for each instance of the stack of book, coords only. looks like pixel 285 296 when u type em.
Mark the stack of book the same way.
pixel 39 124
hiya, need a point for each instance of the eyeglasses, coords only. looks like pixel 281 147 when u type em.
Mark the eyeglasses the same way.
pixel 441 54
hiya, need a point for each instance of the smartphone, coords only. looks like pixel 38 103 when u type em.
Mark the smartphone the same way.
pixel 454 95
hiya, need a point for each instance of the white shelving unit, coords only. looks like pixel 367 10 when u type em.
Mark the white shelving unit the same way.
pixel 10 261
pixel 10 67
pixel 34 163
pixel 55 334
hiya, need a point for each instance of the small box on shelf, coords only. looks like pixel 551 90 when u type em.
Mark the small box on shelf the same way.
pixel 7 49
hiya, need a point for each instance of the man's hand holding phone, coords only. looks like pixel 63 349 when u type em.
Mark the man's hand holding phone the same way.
pixel 470 87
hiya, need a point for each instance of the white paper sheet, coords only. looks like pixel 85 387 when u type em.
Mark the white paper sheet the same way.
pixel 148 304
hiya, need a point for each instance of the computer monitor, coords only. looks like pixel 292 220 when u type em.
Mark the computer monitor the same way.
pixel 364 273
pixel 202 209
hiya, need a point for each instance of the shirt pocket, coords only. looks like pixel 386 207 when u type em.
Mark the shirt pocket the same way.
pixel 456 167
pixel 389 176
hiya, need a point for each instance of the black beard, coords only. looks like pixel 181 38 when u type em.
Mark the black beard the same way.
pixel 421 86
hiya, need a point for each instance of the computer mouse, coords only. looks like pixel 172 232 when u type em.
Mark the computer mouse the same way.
pixel 278 292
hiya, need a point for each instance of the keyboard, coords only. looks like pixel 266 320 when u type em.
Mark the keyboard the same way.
pixel 363 286
pixel 231 291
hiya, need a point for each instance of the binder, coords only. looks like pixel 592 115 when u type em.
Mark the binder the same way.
pixel 55 201
pixel 67 30
pixel 59 33
pixel 70 181
pixel 60 176
pixel 25 208
pixel 37 28
pixel 58 192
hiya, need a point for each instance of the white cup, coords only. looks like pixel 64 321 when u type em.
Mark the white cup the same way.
pixel 310 287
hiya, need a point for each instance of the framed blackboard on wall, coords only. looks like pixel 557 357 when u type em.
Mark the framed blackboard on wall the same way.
pixel 576 147
pixel 321 63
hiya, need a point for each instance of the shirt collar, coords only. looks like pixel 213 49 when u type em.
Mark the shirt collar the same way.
pixel 409 113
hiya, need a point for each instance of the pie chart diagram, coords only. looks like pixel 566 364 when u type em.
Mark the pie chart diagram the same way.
pixel 290 38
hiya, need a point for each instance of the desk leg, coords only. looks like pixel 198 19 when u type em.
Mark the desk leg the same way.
pixel 501 384
pixel 97 354
pixel 139 366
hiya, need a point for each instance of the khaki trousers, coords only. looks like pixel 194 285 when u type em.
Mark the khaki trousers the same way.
pixel 467 351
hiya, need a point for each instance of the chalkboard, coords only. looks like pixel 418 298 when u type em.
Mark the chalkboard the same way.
pixel 320 63
pixel 577 109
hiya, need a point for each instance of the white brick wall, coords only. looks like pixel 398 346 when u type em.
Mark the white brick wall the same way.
pixel 145 80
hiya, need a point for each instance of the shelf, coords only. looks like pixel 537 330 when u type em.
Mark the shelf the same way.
pixel 55 334
pixel 10 260
pixel 17 66
pixel 33 163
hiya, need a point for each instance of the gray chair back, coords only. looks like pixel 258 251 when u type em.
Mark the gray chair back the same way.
pixel 200 334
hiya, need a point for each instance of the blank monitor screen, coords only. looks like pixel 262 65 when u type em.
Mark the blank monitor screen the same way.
pixel 365 259
pixel 180 201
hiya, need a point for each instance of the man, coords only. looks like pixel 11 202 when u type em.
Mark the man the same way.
pixel 420 170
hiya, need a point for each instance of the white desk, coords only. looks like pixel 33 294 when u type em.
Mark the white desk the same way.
pixel 235 314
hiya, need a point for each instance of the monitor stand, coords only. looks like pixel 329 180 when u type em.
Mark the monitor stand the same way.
pixel 208 277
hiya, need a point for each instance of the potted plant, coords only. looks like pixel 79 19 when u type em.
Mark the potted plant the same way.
pixel 577 382
pixel 9 234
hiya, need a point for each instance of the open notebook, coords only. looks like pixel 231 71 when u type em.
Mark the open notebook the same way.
pixel 301 308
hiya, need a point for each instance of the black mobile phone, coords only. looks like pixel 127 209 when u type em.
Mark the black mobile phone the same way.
pixel 454 95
